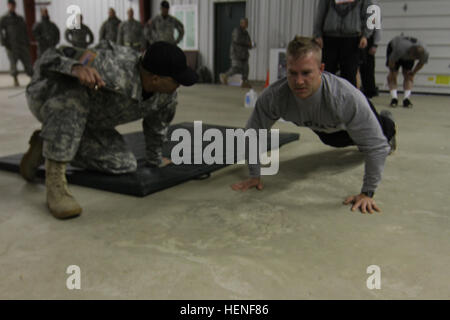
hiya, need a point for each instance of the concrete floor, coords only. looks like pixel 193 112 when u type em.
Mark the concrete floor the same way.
pixel 200 240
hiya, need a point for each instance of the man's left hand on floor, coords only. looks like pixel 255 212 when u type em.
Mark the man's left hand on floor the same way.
pixel 362 202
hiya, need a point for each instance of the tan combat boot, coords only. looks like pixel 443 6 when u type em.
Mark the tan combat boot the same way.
pixel 60 201
pixel 33 158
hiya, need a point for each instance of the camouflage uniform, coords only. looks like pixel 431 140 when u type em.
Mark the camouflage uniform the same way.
pixel 110 29
pixel 14 37
pixel 162 29
pixel 46 34
pixel 239 53
pixel 77 37
pixel 131 34
pixel 78 123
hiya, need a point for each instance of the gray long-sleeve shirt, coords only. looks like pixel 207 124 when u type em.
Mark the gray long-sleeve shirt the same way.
pixel 336 106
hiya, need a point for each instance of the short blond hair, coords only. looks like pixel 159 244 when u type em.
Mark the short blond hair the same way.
pixel 301 46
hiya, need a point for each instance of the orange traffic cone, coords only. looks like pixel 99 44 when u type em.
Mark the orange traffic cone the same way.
pixel 267 79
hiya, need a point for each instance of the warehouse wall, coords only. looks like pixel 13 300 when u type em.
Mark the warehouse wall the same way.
pixel 95 12
pixel 274 23
pixel 205 26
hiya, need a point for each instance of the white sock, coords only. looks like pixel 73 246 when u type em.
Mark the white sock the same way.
pixel 394 94
pixel 407 94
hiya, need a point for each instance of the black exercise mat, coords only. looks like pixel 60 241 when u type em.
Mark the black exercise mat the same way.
pixel 146 180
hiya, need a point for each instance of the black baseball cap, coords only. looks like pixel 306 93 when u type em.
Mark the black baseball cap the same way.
pixel 167 60
pixel 165 4
pixel 11 2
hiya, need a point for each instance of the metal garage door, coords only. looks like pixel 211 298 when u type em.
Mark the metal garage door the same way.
pixel 429 21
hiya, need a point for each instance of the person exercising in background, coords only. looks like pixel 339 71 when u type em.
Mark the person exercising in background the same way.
pixel 402 52
pixel 333 108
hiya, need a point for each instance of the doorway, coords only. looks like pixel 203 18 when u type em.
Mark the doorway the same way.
pixel 227 17
pixel 145 10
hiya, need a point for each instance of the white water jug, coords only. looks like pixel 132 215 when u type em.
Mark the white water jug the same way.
pixel 250 99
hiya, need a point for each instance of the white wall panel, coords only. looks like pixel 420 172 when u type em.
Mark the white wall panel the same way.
pixel 416 8
pixel 273 24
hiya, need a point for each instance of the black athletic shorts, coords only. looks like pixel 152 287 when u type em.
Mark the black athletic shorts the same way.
pixel 342 139
pixel 406 65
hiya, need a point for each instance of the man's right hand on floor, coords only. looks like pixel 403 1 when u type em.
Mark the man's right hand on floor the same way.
pixel 248 184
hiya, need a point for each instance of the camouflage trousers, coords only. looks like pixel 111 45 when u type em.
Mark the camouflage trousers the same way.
pixel 15 56
pixel 135 46
pixel 71 136
pixel 239 67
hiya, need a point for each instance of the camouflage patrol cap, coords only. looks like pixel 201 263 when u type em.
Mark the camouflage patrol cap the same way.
pixel 167 60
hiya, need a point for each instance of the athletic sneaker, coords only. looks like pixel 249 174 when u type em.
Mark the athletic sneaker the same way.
pixel 393 141
pixel 407 103
pixel 394 103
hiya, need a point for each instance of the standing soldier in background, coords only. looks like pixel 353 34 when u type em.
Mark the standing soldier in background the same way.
pixel 340 28
pixel 239 52
pixel 77 37
pixel 110 27
pixel 46 33
pixel 148 34
pixel 162 27
pixel 14 37
pixel 131 33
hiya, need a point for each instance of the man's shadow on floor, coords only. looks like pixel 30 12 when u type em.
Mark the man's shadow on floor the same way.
pixel 331 162
pixel 12 87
